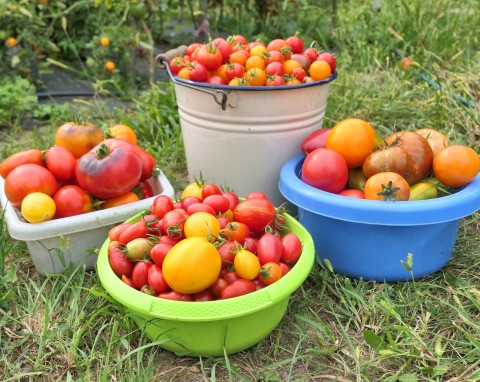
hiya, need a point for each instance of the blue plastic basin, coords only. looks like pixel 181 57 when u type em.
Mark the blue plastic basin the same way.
pixel 370 239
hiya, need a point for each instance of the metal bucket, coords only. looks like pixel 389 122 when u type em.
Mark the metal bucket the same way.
pixel 239 137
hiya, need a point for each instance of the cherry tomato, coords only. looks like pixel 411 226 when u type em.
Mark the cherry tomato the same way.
pixel 159 252
pixel 269 248
pixel 160 207
pixel 388 186
pixel 217 286
pixel 204 295
pixel 156 281
pixel 173 224
pixel 33 156
pixel 61 162
pixel 246 264
pixel 437 140
pixel 119 262
pixel 326 170
pixel 202 224
pixel 231 276
pixel 295 43
pixel 28 178
pixel 223 46
pixel 200 207
pixel 227 251
pixel 236 231
pixel 138 249
pixel 72 200
pixel 270 273
pixel 176 296
pixel 127 280
pixel 329 58
pixel 193 189
pixel 192 265
pixel 352 193
pixel 232 198
pixel 134 231
pixel 140 273
pixel 238 288
pixel 291 248
pixel 110 169
pixel 250 244
pixel 144 190
pixel 114 233
pixel 218 202
pixel 209 56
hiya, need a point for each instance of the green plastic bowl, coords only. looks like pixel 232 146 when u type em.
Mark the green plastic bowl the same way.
pixel 211 328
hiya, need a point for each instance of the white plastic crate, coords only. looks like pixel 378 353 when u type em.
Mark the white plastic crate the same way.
pixel 58 244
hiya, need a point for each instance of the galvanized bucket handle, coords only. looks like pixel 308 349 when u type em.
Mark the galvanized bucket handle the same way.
pixel 162 60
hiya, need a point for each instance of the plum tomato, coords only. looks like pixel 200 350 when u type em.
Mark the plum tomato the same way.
pixel 33 156
pixel 119 262
pixel 156 281
pixel 269 248
pixel 246 264
pixel 291 248
pixel 238 288
pixel 255 213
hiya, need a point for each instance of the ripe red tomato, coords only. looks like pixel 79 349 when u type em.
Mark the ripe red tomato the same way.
pixel 144 190
pixel 72 200
pixel 234 70
pixel 176 296
pixel 295 43
pixel 175 64
pixel 217 286
pixel 255 213
pixel 218 202
pixel 173 223
pixel 237 288
pixel 269 248
pixel 140 273
pixel 61 162
pixel 159 251
pixel 291 248
pixel 352 193
pixel 133 231
pixel 156 281
pixel 33 156
pixel 224 47
pixel 28 178
pixel 115 232
pixel 197 72
pixel 274 80
pixel 148 164
pixel 232 197
pixel 110 169
pixel 326 170
pixel 120 264
pixel 200 207
pixel 315 140
pixel 275 68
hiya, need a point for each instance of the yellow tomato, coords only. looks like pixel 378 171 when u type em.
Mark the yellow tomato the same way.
pixel 202 224
pixel 319 70
pixel 38 207
pixel 192 265
pixel 255 77
pixel 123 132
pixel 110 66
pixel 246 264
pixel 11 42
pixel 193 189
pixel 104 41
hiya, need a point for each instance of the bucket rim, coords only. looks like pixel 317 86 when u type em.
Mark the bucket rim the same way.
pixel 182 81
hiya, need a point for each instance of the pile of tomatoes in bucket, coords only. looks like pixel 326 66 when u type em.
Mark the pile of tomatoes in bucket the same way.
pixel 208 246
pixel 235 61
pixel 352 159
pixel 86 169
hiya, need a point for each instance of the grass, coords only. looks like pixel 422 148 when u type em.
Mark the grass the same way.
pixel 66 328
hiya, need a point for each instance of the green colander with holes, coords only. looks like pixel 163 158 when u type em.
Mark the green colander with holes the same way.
pixel 211 328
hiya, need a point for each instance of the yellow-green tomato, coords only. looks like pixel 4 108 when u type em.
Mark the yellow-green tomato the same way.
pixel 423 191
pixel 202 224
pixel 139 249
pixel 246 264
pixel 38 207
pixel 192 265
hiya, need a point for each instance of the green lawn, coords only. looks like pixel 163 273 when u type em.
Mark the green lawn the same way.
pixel 66 328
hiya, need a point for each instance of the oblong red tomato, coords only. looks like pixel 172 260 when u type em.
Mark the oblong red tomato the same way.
pixel 26 179
pixel 315 140
pixel 61 162
pixel 110 169
pixel 33 156
pixel 255 213
pixel 148 163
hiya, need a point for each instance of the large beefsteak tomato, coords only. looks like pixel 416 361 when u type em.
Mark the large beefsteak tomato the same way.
pixel 110 169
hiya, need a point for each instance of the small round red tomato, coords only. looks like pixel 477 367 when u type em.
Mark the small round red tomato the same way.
pixel 159 252
pixel 110 169
pixel 232 198
pixel 28 178
pixel 175 64
pixel 291 248
pixel 144 190
pixel 354 139
pixel 160 207
pixel 33 156
pixel 200 207
pixel 326 170
pixel 388 186
pixel 210 189
pixel 352 193
pixel 227 252
pixel 210 56
pixel 255 213
pixel 274 80
pixel 173 223
pixel 72 200
pixel 156 281
pixel 295 43
pixel 238 288
pixel 275 69
pixel 61 162
pixel 218 202
pixel 197 72
pixel 223 46
pixel 269 248
pixel 204 295
pixel 257 195
pixel 315 140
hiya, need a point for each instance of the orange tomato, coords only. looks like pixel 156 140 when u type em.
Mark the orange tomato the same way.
pixel 104 41
pixel 319 70
pixel 289 65
pixel 437 140
pixel 255 62
pixel 388 186
pixel 255 77
pixel 354 139
pixel 270 272
pixel 184 73
pixel 456 165
pixel 110 66
pixel 78 138
pixel 238 57
pixel 258 50
pixel 123 132
pixel 11 42
pixel 222 72
pixel 129 197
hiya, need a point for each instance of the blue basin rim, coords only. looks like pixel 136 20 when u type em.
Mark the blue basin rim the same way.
pixel 444 209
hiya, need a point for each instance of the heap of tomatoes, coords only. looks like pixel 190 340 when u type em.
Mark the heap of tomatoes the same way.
pixel 86 169
pixel 208 246
pixel 235 61
pixel 352 159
